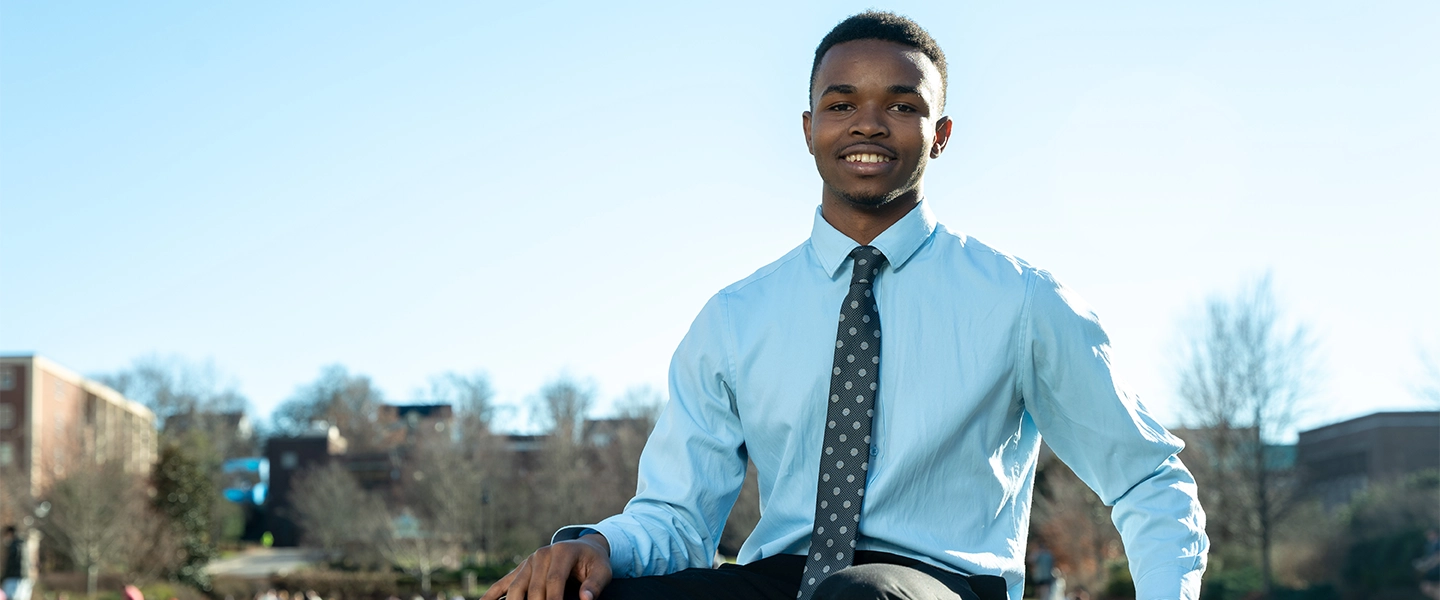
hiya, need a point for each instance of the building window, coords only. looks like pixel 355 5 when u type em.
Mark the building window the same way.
pixel 7 454
pixel 7 379
pixel 7 416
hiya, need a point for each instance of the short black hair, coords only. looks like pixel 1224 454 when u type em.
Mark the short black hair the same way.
pixel 887 26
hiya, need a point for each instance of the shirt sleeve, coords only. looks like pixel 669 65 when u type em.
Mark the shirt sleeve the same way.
pixel 693 464
pixel 1112 442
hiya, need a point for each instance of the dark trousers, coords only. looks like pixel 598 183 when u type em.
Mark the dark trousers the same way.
pixel 875 575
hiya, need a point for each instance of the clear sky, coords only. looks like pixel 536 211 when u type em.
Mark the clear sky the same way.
pixel 543 187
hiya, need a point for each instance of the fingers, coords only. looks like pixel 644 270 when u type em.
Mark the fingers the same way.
pixel 558 573
pixel 535 588
pixel 544 574
pixel 595 579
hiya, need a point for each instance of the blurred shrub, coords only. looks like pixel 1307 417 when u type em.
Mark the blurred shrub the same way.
pixel 73 583
pixel 1231 584
pixel 166 590
pixel 1384 562
pixel 493 572
pixel 234 587
pixel 1118 583
pixel 1318 592
pixel 1385 533
pixel 111 586
pixel 340 585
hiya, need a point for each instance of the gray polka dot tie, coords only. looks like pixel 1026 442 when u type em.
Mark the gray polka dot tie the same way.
pixel 845 458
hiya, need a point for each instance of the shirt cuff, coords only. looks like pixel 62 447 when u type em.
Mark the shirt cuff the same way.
pixel 1169 584
pixel 572 532
pixel 622 555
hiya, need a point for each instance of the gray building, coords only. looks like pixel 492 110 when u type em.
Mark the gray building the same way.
pixel 1340 460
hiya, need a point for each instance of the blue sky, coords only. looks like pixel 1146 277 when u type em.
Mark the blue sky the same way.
pixel 555 187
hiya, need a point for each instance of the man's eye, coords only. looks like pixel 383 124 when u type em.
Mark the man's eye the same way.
pixel 841 106
pixel 903 108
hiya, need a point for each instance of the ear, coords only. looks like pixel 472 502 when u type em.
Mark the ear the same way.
pixel 942 136
pixel 805 123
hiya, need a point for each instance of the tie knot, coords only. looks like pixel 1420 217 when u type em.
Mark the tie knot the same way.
pixel 868 261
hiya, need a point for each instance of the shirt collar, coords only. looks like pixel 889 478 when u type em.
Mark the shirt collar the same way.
pixel 898 243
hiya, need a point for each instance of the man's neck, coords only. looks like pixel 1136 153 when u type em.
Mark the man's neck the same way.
pixel 862 223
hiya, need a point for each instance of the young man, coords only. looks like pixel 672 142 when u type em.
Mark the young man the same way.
pixel 13 581
pixel 905 473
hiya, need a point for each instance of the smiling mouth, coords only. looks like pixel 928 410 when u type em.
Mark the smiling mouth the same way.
pixel 867 158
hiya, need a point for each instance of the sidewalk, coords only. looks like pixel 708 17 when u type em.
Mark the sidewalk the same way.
pixel 264 562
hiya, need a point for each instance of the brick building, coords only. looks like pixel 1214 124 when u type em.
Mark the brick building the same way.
pixel 51 418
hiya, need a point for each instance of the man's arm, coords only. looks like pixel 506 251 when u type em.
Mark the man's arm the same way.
pixel 1111 442
pixel 693 464
pixel 689 477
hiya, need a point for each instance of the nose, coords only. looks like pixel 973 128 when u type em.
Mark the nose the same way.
pixel 869 122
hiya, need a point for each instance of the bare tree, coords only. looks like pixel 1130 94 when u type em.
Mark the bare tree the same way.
pixel 445 487
pixel 159 549
pixel 186 397
pixel 549 487
pixel 349 402
pixel 424 528
pixel 96 516
pixel 613 448
pixel 562 407
pixel 1074 523
pixel 334 513
pixel 1241 376
pixel 16 504
pixel 478 455
pixel 417 545
pixel 640 402
pixel 470 396
pixel 173 385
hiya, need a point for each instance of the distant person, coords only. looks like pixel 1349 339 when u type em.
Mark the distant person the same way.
pixel 901 469
pixel 14 578
pixel 1042 571
pixel 1429 565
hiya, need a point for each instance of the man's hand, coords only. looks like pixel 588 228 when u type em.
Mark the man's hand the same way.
pixel 543 576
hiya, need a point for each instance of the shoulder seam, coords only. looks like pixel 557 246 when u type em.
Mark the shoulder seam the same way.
pixel 767 270
pixel 1026 369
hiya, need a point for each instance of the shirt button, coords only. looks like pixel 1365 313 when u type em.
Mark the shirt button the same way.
pixel 874 451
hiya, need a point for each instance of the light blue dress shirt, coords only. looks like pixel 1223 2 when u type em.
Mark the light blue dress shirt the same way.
pixel 982 354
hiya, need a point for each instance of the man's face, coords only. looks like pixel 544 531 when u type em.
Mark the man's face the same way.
pixel 875 121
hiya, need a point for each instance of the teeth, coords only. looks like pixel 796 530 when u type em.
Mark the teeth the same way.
pixel 867 158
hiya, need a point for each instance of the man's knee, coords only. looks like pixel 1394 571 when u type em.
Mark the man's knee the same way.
pixel 868 582
pixel 880 581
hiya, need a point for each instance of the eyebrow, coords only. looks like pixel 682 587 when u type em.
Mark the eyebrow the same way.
pixel 845 88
